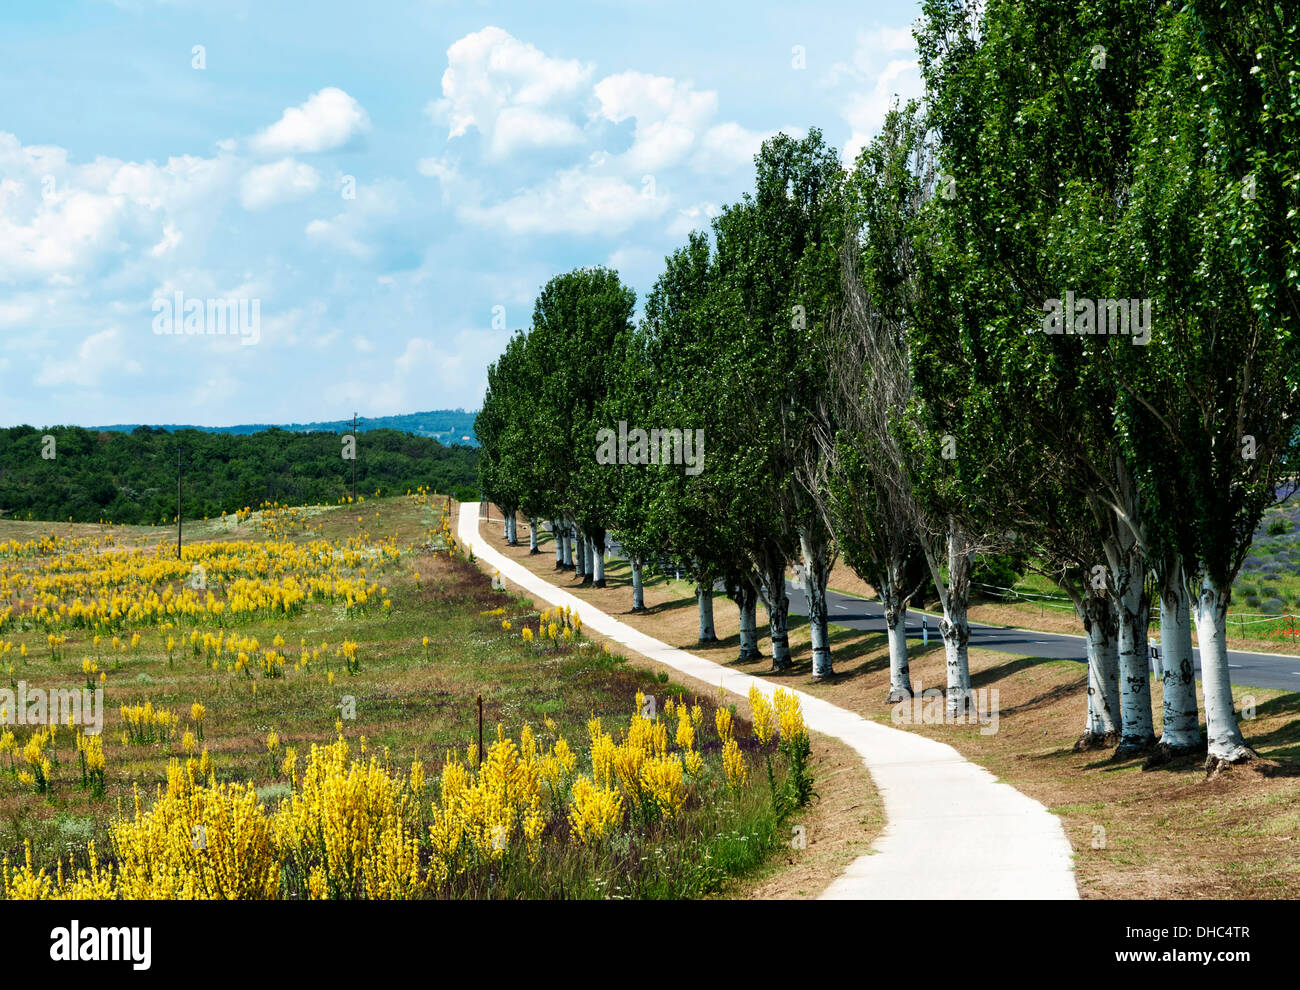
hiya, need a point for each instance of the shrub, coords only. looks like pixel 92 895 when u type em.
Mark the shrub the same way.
pixel 998 570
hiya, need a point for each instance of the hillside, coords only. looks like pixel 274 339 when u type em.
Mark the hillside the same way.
pixel 89 475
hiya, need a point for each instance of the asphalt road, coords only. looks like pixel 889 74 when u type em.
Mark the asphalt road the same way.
pixel 1265 670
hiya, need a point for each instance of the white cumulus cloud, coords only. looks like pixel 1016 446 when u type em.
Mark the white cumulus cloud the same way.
pixel 510 92
pixel 669 115
pixel 328 120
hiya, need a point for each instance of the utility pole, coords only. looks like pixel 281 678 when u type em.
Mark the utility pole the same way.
pixel 354 458
pixel 178 502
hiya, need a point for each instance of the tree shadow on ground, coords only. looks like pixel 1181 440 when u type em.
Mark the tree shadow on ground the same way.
pixel 854 655
pixel 673 604
pixel 1281 744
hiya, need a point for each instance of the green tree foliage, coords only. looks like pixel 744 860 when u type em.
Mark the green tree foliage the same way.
pixel 131 477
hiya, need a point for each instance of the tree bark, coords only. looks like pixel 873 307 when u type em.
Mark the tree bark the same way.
pixel 954 627
pixel 1181 732
pixel 1101 726
pixel 1225 744
pixel 559 544
pixel 598 564
pixel 638 590
pixel 747 604
pixel 532 536
pixel 778 611
pixel 580 558
pixel 704 602
pixel 1137 728
pixel 895 608
pixel 817 574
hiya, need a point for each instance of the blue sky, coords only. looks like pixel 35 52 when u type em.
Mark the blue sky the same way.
pixel 383 180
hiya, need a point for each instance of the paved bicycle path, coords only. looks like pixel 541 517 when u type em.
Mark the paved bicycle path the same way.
pixel 952 830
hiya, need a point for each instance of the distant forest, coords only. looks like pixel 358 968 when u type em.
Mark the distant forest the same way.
pixel 131 477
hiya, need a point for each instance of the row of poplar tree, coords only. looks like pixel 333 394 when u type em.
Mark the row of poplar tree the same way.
pixel 865 351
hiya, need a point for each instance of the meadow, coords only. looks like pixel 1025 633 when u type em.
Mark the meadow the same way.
pixel 292 710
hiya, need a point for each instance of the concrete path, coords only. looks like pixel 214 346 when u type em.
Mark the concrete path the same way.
pixel 952 830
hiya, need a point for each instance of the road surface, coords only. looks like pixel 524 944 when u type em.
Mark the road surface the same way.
pixel 1265 670
pixel 1248 669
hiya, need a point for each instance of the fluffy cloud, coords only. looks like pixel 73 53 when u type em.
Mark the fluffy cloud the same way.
pixel 328 120
pixel 519 98
pixel 510 92
pixel 884 68
pixel 61 222
pixel 669 115
pixel 279 182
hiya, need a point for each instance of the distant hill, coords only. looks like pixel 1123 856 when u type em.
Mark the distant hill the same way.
pixel 66 472
pixel 447 426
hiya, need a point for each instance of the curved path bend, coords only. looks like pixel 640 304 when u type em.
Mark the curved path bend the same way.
pixel 952 830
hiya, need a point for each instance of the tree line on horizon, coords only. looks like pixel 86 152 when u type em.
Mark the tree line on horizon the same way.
pixel 67 472
pixel 1049 312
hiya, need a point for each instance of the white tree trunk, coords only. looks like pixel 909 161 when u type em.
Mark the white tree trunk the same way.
pixel 558 538
pixel 568 547
pixel 532 536
pixel 1101 727
pixel 900 675
pixel 1181 731
pixel 954 627
pixel 780 628
pixel 1137 728
pixel 817 572
pixel 778 610
pixel 747 604
pixel 597 566
pixel 704 601
pixel 1225 742
pixel 638 592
